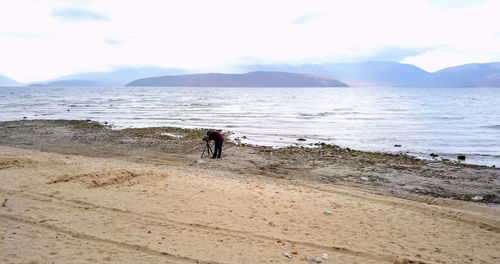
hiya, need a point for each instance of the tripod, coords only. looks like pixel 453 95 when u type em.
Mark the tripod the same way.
pixel 208 149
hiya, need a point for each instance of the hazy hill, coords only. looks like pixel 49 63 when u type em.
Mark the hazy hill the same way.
pixel 117 77
pixel 395 74
pixel 4 81
pixel 73 83
pixel 358 73
pixel 252 79
pixel 374 73
pixel 470 75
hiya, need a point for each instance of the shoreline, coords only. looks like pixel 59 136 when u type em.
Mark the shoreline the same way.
pixel 391 174
pixel 78 191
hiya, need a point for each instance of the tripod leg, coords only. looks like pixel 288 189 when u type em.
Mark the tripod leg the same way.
pixel 210 151
pixel 203 151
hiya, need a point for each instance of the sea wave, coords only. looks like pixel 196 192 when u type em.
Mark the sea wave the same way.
pixel 421 120
pixel 492 126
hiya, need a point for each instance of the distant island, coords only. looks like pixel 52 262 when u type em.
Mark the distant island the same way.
pixel 251 79
pixel 358 74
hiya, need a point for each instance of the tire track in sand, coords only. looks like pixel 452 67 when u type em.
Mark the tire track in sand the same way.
pixel 492 225
pixel 173 224
pixel 128 246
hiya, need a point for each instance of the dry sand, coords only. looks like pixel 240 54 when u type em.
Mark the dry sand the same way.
pixel 78 194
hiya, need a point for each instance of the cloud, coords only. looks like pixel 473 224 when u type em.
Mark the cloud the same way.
pixel 392 53
pixel 19 35
pixel 72 14
pixel 111 41
pixel 447 4
pixel 305 18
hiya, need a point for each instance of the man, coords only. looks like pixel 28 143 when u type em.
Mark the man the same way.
pixel 218 139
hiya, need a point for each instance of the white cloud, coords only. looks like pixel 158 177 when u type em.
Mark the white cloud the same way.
pixel 306 17
pixel 201 34
pixel 72 14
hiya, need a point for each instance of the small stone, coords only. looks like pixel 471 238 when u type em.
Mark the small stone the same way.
pixel 324 256
pixel 288 255
pixel 397 146
pixel 149 231
pixel 310 259
pixel 364 178
pixel 200 161
pixel 461 157
pixel 301 139
pixel 434 155
pixel 477 198
pixel 327 212
pixel 318 260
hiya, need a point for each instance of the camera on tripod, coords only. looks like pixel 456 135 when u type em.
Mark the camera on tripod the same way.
pixel 208 149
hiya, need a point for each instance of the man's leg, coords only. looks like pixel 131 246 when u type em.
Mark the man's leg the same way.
pixel 216 150
pixel 218 146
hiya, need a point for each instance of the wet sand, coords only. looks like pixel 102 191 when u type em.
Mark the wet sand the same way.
pixel 79 192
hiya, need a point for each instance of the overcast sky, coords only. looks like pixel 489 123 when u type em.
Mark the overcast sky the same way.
pixel 43 39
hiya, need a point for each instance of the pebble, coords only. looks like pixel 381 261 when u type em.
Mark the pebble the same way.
pixel 434 155
pixel 324 256
pixel 327 212
pixel 317 259
pixel 364 178
pixel 397 146
pixel 477 198
pixel 461 157
pixel 301 139
pixel 288 255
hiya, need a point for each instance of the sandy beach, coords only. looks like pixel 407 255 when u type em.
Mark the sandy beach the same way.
pixel 79 192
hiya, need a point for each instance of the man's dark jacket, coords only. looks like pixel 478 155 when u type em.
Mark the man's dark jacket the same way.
pixel 215 136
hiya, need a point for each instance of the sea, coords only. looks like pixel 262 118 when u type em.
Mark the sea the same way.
pixel 416 121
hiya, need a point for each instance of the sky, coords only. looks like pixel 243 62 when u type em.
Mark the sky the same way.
pixel 44 39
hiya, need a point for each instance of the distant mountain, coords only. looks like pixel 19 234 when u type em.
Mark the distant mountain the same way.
pixel 252 79
pixel 372 74
pixel 74 83
pixel 470 75
pixel 358 73
pixel 4 81
pixel 394 74
pixel 118 77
